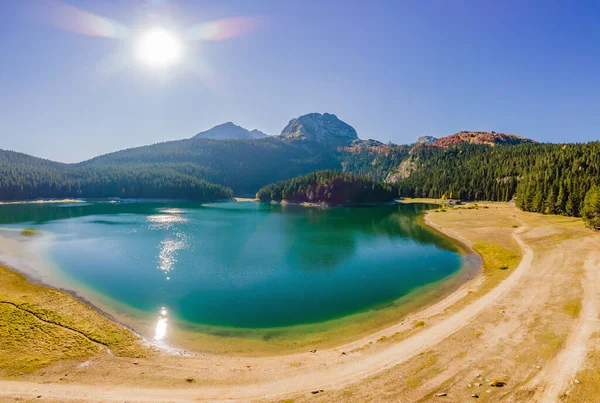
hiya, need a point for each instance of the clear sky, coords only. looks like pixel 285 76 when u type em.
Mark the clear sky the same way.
pixel 72 85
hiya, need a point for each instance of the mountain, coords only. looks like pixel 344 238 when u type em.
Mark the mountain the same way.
pixel 230 131
pixel 547 178
pixel 309 143
pixel 480 138
pixel 324 129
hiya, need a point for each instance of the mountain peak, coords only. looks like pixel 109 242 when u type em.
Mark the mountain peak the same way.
pixel 323 128
pixel 229 131
pixel 426 140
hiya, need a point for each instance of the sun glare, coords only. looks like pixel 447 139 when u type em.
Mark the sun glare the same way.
pixel 159 48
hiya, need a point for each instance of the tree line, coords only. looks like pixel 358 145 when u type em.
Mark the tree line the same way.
pixel 544 178
pixel 23 177
pixel 329 187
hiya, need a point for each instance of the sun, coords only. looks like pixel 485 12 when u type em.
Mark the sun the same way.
pixel 159 48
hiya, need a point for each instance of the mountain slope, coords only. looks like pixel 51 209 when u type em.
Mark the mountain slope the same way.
pixel 230 131
pixel 243 165
pixel 23 177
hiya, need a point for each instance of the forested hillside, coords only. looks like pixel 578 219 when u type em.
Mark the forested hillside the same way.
pixel 372 158
pixel 329 187
pixel 545 178
pixel 242 165
pixel 23 177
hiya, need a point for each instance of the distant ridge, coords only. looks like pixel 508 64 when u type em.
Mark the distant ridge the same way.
pixel 480 138
pixel 230 131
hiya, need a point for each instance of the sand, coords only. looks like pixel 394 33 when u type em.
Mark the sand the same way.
pixel 511 325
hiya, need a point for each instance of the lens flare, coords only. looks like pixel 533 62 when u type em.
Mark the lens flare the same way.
pixel 159 47
pixel 70 18
pixel 225 28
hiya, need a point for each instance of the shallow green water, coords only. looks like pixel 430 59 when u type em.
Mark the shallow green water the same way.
pixel 244 265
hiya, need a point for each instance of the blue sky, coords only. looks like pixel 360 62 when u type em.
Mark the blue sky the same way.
pixel 394 70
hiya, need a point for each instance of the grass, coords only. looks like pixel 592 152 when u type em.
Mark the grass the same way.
pixel 549 343
pixel 417 377
pixel 40 325
pixel 30 232
pixel 419 323
pixel 572 307
pixel 496 257
pixel 27 344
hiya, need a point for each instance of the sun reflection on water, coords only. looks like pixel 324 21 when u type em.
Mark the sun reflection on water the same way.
pixel 160 333
pixel 169 219
pixel 166 221
pixel 168 252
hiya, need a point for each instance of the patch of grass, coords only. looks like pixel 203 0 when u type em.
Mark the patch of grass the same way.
pixel 27 343
pixel 572 307
pixel 496 257
pixel 30 232
pixel 40 325
pixel 419 323
pixel 417 378
pixel 550 343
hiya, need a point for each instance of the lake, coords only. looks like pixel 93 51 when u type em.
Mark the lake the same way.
pixel 240 265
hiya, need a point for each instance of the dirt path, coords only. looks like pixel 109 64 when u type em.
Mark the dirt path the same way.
pixel 562 370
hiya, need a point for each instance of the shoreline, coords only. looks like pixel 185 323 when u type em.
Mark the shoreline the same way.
pixel 329 334
pixel 514 328
pixel 394 202
pixel 33 276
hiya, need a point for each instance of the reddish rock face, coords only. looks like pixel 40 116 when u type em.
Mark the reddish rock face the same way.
pixel 488 138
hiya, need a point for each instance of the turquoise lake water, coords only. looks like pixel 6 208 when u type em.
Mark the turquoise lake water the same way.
pixel 243 265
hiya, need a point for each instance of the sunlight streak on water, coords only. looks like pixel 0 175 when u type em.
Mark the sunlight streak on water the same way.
pixel 160 332
pixel 168 251
pixel 165 221
pixel 168 248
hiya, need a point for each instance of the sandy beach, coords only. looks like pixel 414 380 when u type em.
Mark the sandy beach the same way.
pixel 529 321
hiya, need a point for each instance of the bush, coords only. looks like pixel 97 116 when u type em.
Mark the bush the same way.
pixel 30 232
pixel 591 208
